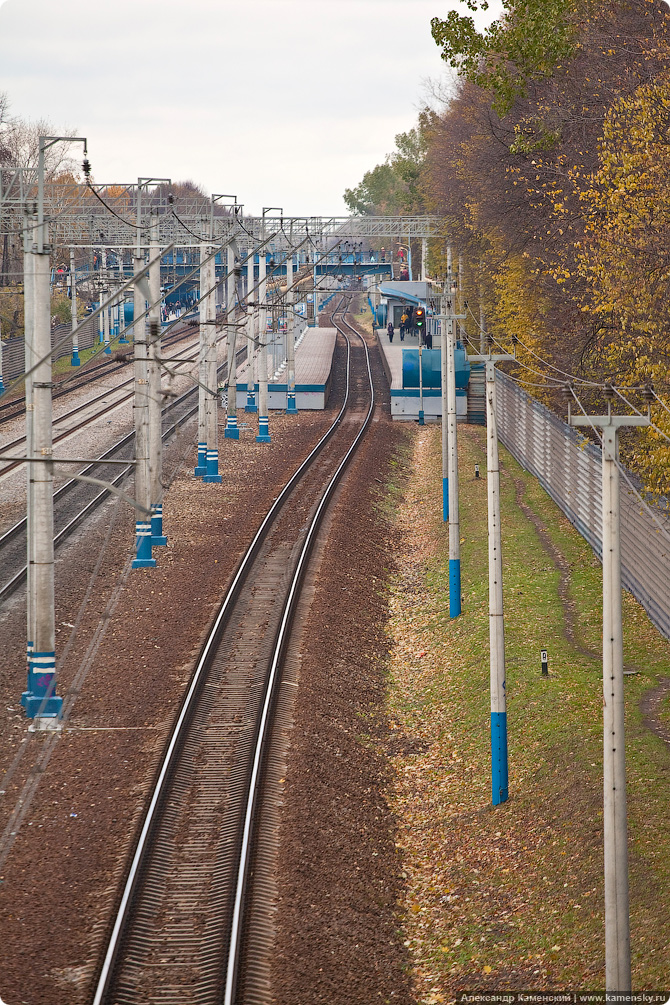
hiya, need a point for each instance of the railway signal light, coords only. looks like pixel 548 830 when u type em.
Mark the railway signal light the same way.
pixel 420 319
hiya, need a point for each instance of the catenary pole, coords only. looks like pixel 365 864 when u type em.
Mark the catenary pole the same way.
pixel 30 360
pixel 499 756
pixel 291 404
pixel 615 827
pixel 201 464
pixel 75 361
pixel 263 420
pixel 155 392
pixel 251 341
pixel 143 555
pixel 211 398
pixel 452 436
pixel 40 700
pixel 231 431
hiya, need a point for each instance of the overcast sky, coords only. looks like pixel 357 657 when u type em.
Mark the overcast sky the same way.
pixel 279 102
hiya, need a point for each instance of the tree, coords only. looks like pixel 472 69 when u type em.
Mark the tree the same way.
pixel 394 187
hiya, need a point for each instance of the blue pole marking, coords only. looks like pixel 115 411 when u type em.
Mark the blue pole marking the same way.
pixel 75 359
pixel 445 499
pixel 454 587
pixel 143 559
pixel 291 405
pixel 263 429
pixel 499 783
pixel 231 432
pixel 201 467
pixel 157 536
pixel 421 422
pixel 212 467
pixel 251 399
pixel 39 699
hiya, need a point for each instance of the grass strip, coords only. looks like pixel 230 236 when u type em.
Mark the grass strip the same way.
pixel 511 898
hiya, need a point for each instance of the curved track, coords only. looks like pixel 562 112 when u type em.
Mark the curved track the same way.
pixel 181 931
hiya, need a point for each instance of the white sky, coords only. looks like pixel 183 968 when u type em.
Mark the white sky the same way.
pixel 280 102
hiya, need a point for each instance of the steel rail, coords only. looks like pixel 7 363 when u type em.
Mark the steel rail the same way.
pixel 86 373
pixel 279 650
pixel 126 397
pixel 13 584
pixel 170 757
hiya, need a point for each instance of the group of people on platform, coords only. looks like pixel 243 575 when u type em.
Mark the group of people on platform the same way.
pixel 407 327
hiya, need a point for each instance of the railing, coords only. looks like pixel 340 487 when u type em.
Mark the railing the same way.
pixel 569 468
pixel 14 353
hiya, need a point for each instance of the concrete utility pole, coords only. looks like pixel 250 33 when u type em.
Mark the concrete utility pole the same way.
pixel 231 431
pixel 104 293
pixel 143 559
pixel 263 420
pixel 251 342
pixel 2 384
pixel 454 520
pixel 201 464
pixel 73 311
pixel 617 923
pixel 291 404
pixel 155 392
pixel 30 359
pixel 424 259
pixel 499 759
pixel 208 307
pixel 40 700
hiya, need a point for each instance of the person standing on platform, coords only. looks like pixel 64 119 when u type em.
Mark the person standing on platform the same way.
pixel 403 326
pixel 389 329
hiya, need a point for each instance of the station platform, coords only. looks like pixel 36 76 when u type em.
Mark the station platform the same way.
pixel 406 402
pixel 313 372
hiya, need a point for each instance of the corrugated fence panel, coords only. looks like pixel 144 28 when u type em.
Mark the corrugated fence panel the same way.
pixel 13 350
pixel 569 469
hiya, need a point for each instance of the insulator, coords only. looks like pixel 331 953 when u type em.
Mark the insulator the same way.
pixel 86 167
pixel 648 393
pixel 608 392
pixel 566 390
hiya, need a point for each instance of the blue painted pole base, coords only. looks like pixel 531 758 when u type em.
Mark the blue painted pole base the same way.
pixel 445 499
pixel 212 475
pixel 158 538
pixel 75 361
pixel 263 429
pixel 499 770
pixel 39 699
pixel 201 466
pixel 123 340
pixel 143 559
pixel 231 432
pixel 2 385
pixel 421 417
pixel 108 350
pixel 454 587
pixel 251 402
pixel 291 406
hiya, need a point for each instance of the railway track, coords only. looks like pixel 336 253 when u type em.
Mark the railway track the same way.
pixel 74 501
pixel 192 919
pixel 14 408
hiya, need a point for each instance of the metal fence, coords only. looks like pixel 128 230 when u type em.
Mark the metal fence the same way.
pixel 569 468
pixel 14 353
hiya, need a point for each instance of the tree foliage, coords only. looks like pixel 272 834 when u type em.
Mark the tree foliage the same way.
pixel 394 187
